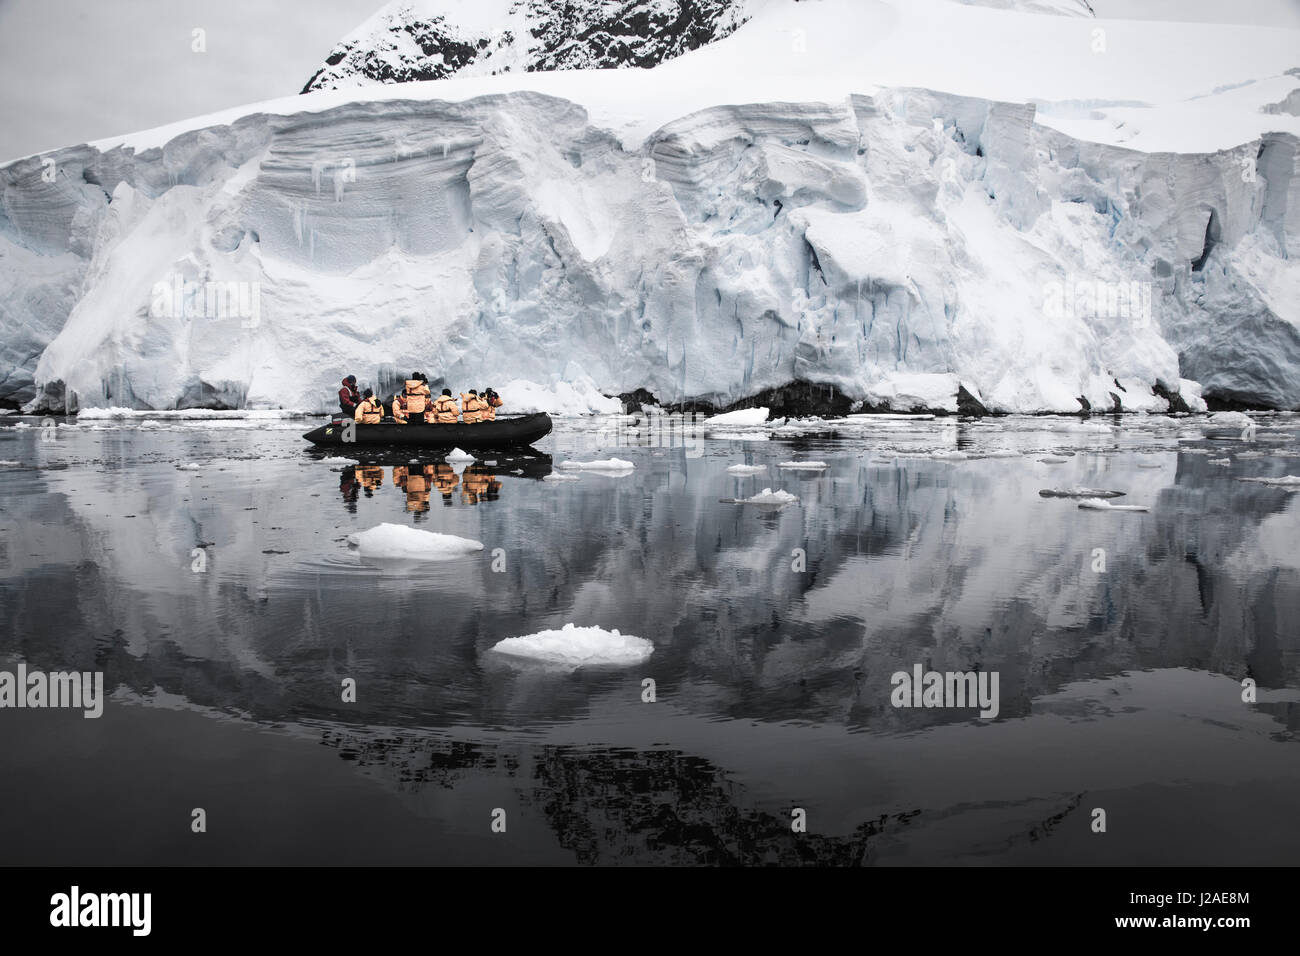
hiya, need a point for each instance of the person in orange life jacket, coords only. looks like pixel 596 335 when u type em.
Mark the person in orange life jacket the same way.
pixel 349 397
pixel 471 407
pixel 399 408
pixel 417 398
pixel 491 402
pixel 445 411
pixel 370 411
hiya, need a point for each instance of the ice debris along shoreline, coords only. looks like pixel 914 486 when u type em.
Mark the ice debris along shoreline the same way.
pixel 572 647
pixel 399 541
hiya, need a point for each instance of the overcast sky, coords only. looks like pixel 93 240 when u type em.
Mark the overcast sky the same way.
pixel 78 70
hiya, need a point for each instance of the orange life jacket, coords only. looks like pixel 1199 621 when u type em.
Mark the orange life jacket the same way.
pixel 445 411
pixel 472 408
pixel 417 396
pixel 490 407
pixel 399 408
pixel 369 412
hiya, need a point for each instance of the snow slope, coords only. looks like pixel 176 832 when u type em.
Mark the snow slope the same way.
pixel 794 201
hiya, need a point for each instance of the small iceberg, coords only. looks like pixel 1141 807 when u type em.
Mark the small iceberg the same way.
pixel 746 469
pixel 1053 460
pixel 741 418
pixel 1097 504
pixel 809 465
pixel 572 647
pixel 457 454
pixel 607 465
pixel 399 541
pixel 949 456
pixel 1219 461
pixel 559 476
pixel 190 466
pixel 1079 493
pixel 8 462
pixel 339 462
pixel 769 497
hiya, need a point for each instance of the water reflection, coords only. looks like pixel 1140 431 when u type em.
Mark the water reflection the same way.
pixel 772 682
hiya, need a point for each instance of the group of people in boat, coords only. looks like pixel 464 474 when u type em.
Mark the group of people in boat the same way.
pixel 416 405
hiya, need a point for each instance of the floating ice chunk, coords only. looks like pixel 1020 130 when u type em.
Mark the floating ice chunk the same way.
pixel 949 456
pixel 9 462
pixel 1220 461
pixel 746 469
pixel 336 461
pixel 1098 504
pixel 1231 420
pixel 189 466
pixel 574 647
pixel 1053 460
pixel 457 454
pixel 1079 493
pixel 769 497
pixel 399 541
pixel 808 465
pixel 559 476
pixel 741 418
pixel 1286 481
pixel 607 464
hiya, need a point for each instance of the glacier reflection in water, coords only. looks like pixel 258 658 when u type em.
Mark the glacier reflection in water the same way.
pixel 923 542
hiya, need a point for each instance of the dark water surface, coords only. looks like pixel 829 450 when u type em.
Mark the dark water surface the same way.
pixel 1119 690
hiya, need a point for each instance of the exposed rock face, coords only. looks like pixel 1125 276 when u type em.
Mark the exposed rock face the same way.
pixel 406 41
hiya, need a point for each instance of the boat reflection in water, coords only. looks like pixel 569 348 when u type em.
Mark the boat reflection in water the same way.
pixel 454 482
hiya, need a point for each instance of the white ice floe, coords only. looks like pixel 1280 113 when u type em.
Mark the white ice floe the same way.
pixel 559 476
pixel 457 454
pixel 805 465
pixel 1100 504
pixel 1053 460
pixel 9 462
pixel 189 466
pixel 606 465
pixel 948 456
pixel 769 497
pixel 741 418
pixel 399 541
pixel 572 647
pixel 1220 461
pixel 746 469
pixel 336 461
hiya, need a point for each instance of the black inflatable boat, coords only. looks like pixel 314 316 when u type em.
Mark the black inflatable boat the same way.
pixel 517 432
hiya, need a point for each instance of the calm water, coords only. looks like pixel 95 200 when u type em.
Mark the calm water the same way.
pixel 1119 690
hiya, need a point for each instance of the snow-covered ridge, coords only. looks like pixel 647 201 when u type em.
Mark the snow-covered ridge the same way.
pixel 649 229
pixel 412 40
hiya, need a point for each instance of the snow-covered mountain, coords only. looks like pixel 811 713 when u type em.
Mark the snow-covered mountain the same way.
pixel 409 40
pixel 893 198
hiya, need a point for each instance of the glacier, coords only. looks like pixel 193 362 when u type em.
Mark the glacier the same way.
pixel 730 222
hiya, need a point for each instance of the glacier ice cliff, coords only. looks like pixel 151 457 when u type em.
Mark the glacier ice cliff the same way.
pixel 898 246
